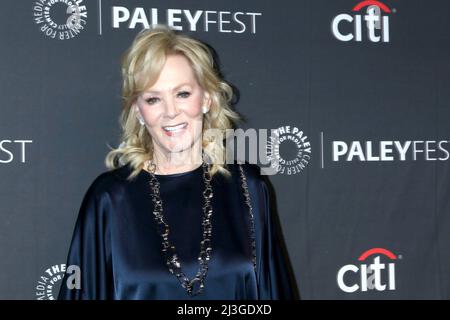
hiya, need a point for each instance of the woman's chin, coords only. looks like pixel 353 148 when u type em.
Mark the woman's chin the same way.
pixel 178 146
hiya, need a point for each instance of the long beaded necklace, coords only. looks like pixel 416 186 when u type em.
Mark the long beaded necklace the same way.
pixel 196 285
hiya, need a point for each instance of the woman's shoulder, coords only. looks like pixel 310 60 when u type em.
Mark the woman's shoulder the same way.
pixel 253 172
pixel 104 190
pixel 110 181
pixel 258 183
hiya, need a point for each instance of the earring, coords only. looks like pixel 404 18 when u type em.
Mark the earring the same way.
pixel 138 116
pixel 205 109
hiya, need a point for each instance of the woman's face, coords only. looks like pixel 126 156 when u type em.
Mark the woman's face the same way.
pixel 172 107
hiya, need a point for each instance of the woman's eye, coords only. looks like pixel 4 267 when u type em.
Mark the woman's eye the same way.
pixel 151 100
pixel 184 94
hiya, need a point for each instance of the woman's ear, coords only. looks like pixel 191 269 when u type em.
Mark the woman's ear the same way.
pixel 206 102
pixel 138 114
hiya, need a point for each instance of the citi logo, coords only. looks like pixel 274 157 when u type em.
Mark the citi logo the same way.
pixel 374 276
pixel 372 14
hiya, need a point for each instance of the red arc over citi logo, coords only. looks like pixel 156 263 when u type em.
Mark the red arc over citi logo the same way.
pixel 370 275
pixel 371 13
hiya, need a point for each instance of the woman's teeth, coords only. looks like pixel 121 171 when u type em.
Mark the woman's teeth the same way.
pixel 175 128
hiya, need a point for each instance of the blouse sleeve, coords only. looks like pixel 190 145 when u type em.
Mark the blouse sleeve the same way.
pixel 90 252
pixel 274 277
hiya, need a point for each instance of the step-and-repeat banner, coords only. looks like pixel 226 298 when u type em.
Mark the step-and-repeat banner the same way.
pixel 358 93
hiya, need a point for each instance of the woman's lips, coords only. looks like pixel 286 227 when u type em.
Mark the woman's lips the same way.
pixel 175 130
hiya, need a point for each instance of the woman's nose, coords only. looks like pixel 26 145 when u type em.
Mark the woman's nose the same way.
pixel 171 109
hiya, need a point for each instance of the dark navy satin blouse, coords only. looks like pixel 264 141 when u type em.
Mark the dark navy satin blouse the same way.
pixel 118 249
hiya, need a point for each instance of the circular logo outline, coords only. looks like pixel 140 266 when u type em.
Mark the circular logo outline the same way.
pixel 303 155
pixel 48 280
pixel 73 26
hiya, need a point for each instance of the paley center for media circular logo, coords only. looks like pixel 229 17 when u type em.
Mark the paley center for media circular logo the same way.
pixel 301 152
pixel 47 284
pixel 60 19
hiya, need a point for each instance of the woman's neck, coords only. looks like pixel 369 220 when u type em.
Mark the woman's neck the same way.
pixel 176 162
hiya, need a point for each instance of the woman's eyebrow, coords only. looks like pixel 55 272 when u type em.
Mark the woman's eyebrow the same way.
pixel 174 89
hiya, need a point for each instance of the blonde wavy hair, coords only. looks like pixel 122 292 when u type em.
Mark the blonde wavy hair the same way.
pixel 141 66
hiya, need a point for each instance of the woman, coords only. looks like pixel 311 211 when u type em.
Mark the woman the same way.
pixel 170 220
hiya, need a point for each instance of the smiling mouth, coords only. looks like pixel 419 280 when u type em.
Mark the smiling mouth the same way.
pixel 171 130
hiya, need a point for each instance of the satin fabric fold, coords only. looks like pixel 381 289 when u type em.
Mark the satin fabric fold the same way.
pixel 118 249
